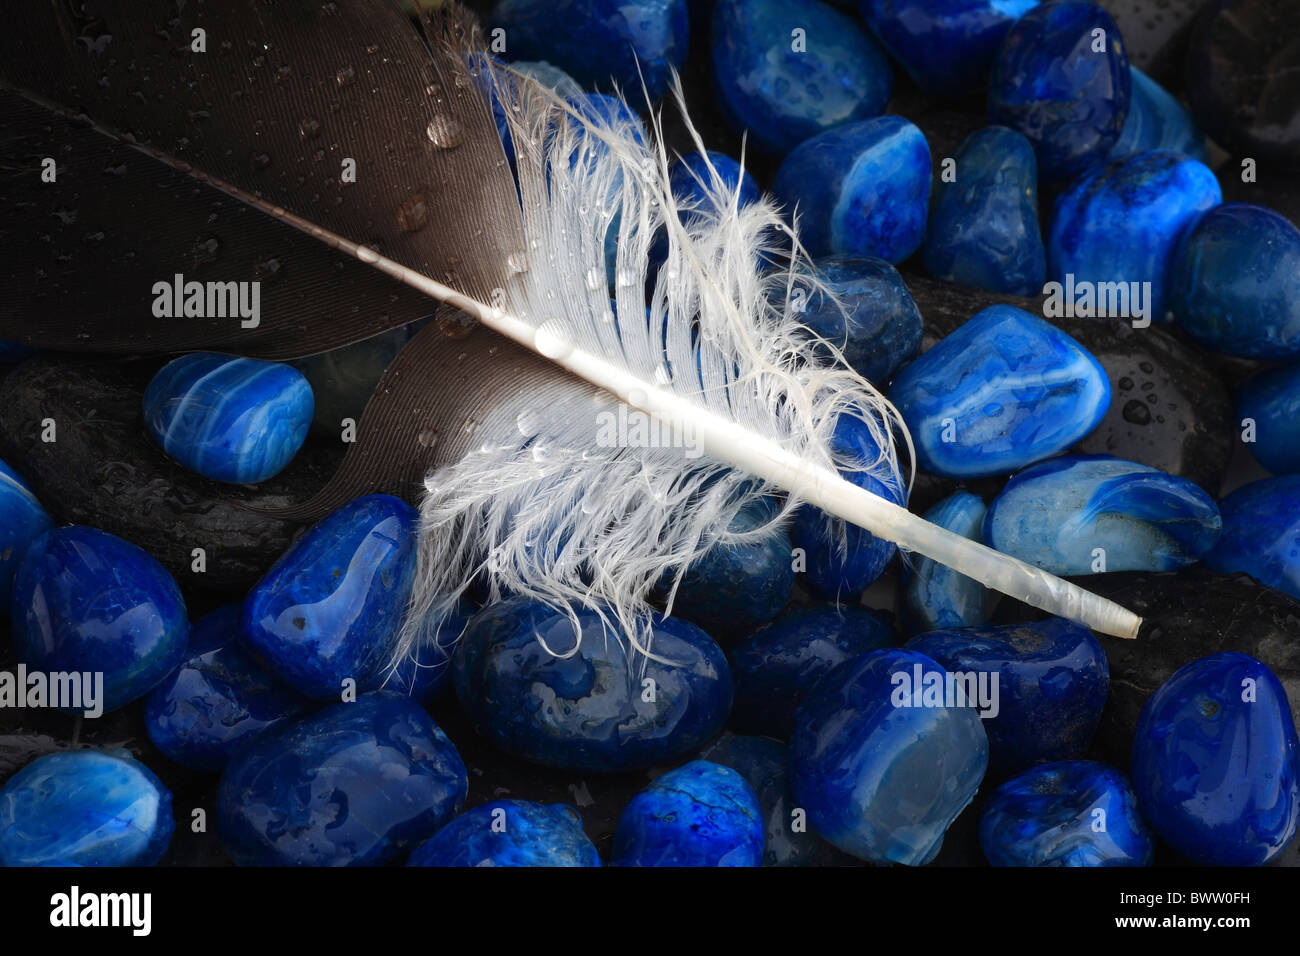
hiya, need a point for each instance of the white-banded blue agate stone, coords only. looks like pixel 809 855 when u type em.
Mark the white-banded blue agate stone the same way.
pixel 1261 533
pixel 22 519
pixel 84 808
pixel 230 419
pixel 933 594
pixel 881 762
pixel 1156 120
pixel 87 601
pixel 329 609
pixel 1057 514
pixel 1072 813
pixel 1002 391
pixel 701 814
pixel 509 833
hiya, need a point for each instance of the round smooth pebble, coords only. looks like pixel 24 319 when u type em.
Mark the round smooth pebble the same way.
pixel 1268 410
pixel 933 594
pixel 22 519
pixel 1261 533
pixel 509 833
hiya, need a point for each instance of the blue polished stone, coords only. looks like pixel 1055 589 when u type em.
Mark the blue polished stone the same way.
pixel 983 231
pixel 738 586
pixel 355 785
pixel 86 601
pixel 843 559
pixel 1156 120
pixel 1261 533
pixel 1121 223
pixel 774 669
pixel 594 709
pixel 509 833
pixel 934 595
pixel 1234 282
pixel 783 89
pixel 218 699
pixel 1271 400
pixel 231 419
pixel 701 814
pixel 426 672
pixel 876 325
pixel 84 808
pixel 1052 682
pixel 1073 813
pixel 691 180
pixel 946 46
pixel 599 42
pixel 329 609
pixel 22 520
pixel 1048 83
pixel 860 189
pixel 1003 390
pixel 1057 515
pixel 1215 762
pixel 880 762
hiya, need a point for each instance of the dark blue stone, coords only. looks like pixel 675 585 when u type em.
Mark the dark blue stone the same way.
pixel 946 46
pixel 1215 762
pixel 1052 682
pixel 701 814
pixel 1271 400
pixel 843 559
pixel 592 710
pixel 1156 120
pixel 935 595
pixel 1234 282
pixel 774 669
pixel 22 520
pixel 355 785
pixel 426 672
pixel 1002 391
pixel 509 833
pixel 1049 84
pixel 86 601
pixel 880 772
pixel 1261 533
pixel 1121 222
pixel 1057 514
pixel 84 808
pixel 230 419
pixel 876 326
pixel 329 609
pixel 218 699
pixel 691 181
pixel 861 189
pixel 984 231
pixel 1074 813
pixel 599 42
pixel 781 95
pixel 14 352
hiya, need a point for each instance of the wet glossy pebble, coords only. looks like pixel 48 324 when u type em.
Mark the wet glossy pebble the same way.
pixel 1261 533
pixel 509 833
pixel 1268 411
pixel 934 595
pixel 22 519
pixel 1156 120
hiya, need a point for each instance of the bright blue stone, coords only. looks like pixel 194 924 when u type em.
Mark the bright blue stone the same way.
pixel 701 814
pixel 230 419
pixel 1271 399
pixel 1052 682
pixel 1234 282
pixel 1121 223
pixel 934 595
pixel 1073 813
pixel 588 710
pixel 1049 84
pixel 881 770
pixel 355 785
pixel 843 559
pixel 876 325
pixel 1261 533
pixel 86 601
pixel 218 699
pixel 774 669
pixel 984 231
pixel 1156 120
pixel 599 42
pixel 1003 390
pixel 509 833
pixel 22 519
pixel 84 808
pixel 1215 762
pixel 329 609
pixel 861 188
pixel 1056 514
pixel 781 95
